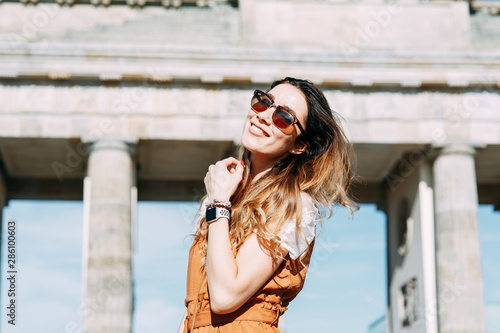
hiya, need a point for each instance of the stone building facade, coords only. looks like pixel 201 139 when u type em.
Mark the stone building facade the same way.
pixel 111 102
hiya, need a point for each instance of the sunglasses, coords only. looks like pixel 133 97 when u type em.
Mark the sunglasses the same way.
pixel 283 117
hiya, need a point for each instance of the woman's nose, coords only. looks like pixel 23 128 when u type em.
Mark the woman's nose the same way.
pixel 266 116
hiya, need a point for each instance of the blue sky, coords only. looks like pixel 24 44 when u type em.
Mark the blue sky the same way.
pixel 345 287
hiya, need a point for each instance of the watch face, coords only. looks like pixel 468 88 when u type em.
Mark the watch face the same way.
pixel 211 214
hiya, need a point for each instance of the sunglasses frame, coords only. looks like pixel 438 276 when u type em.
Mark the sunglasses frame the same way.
pixel 276 107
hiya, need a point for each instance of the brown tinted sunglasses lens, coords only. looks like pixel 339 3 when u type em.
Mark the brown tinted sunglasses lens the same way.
pixel 282 119
pixel 260 102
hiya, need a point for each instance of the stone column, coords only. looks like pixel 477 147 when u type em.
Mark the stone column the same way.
pixel 458 259
pixel 108 202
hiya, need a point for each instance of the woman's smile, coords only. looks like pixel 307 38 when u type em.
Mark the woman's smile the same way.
pixel 258 131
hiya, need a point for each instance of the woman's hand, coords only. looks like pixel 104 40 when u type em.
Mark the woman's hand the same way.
pixel 223 178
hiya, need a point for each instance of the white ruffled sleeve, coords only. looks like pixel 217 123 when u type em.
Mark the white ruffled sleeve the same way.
pixel 291 239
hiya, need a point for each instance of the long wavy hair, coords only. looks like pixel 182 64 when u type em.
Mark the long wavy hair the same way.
pixel 323 171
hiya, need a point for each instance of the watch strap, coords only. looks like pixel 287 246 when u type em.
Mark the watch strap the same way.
pixel 212 214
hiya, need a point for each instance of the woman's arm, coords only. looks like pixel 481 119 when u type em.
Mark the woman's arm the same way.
pixel 232 281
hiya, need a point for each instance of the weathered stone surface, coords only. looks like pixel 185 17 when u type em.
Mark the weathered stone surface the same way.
pixel 458 259
pixel 107 248
pixel 217 114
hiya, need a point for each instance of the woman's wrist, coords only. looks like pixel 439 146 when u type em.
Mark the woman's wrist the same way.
pixel 219 221
pixel 216 210
pixel 218 199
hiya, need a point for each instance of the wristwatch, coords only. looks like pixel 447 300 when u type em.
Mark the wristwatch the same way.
pixel 214 213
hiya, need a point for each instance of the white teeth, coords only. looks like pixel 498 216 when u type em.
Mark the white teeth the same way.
pixel 255 128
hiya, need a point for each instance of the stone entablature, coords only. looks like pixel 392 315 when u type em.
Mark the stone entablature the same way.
pixel 84 62
pixel 204 123
pixel 166 112
pixel 350 28
pixel 371 45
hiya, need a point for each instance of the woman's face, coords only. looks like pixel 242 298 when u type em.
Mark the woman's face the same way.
pixel 266 141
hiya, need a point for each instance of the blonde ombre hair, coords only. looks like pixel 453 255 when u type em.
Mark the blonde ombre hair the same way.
pixel 323 171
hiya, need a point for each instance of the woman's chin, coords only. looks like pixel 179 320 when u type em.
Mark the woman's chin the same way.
pixel 250 146
pixel 248 142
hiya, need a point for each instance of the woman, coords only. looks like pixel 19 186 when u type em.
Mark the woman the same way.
pixel 257 224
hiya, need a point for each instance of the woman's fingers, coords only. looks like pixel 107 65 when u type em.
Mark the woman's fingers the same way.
pixel 230 163
pixel 223 178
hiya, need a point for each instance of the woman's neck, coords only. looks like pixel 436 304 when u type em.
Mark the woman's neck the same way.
pixel 260 167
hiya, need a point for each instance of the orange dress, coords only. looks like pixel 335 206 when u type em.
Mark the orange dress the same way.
pixel 259 314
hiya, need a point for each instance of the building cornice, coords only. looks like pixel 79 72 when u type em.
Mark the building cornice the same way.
pixel 152 63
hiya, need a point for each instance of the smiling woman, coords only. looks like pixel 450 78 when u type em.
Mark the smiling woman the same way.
pixel 257 224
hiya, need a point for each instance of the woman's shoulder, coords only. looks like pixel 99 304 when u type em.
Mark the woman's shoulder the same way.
pixel 306 197
pixel 309 209
pixel 296 237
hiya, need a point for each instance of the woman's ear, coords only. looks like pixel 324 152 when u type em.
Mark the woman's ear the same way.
pixel 299 148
